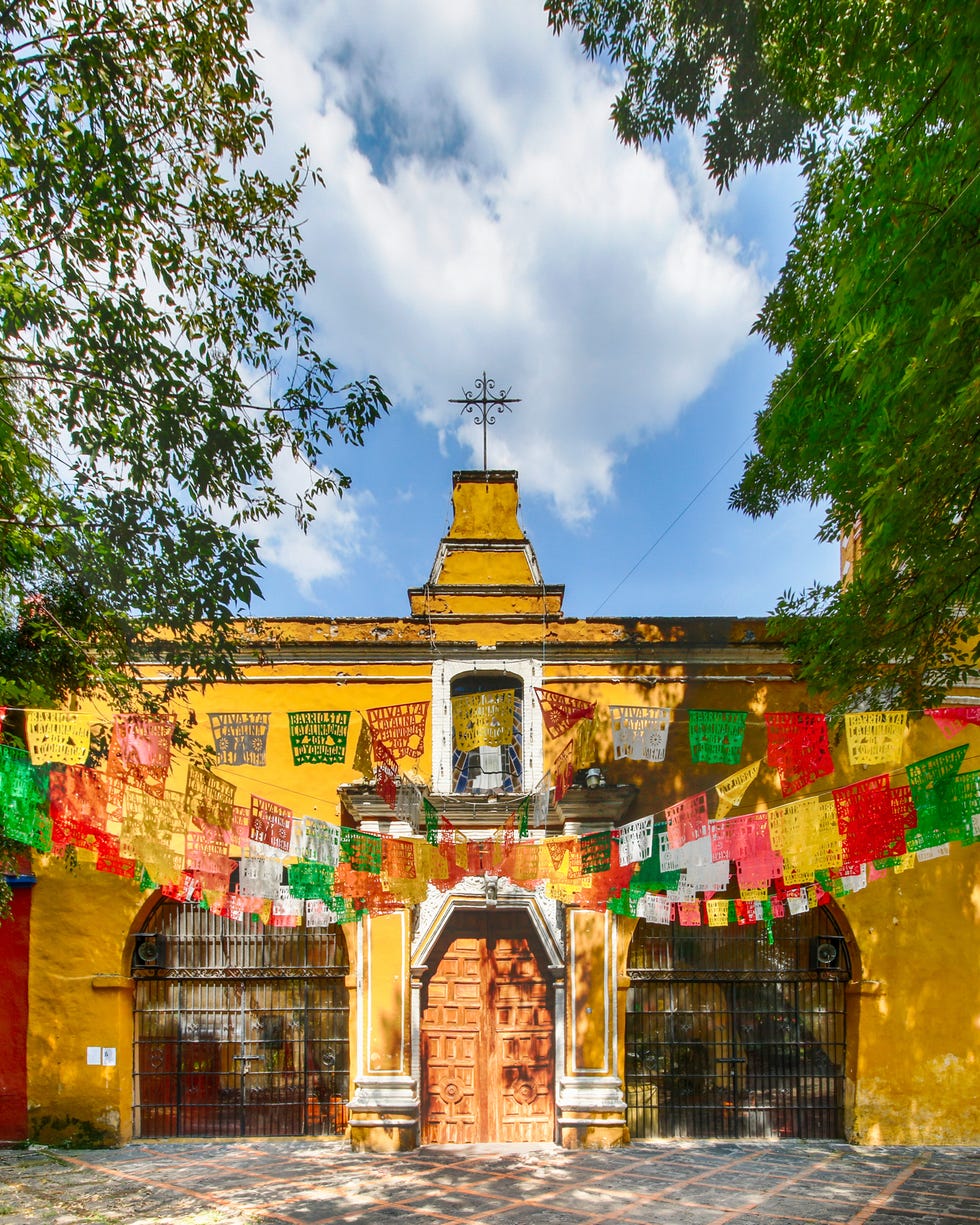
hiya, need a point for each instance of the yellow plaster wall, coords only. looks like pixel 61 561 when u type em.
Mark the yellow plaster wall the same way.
pixel 917 1029
pixel 918 1032
pixel 681 688
pixel 918 1026
pixel 483 609
pixel 80 991
pixel 472 566
pixel 386 1031
pixel 484 509
pixel 917 1018
pixel 590 1047
pixel 80 995
pixel 308 789
pixel 915 1025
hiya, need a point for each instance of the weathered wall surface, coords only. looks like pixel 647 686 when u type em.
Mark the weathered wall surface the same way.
pixel 80 997
pixel 918 1033
pixel 915 1015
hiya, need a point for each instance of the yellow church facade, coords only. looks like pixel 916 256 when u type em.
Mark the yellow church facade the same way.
pixel 535 928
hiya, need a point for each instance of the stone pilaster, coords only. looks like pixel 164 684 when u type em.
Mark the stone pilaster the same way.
pixel 591 1104
pixel 384 1106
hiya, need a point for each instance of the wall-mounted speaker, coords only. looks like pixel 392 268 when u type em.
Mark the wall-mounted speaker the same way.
pixel 828 953
pixel 149 951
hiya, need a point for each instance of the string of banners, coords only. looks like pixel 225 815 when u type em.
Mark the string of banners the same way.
pixel 798 745
pixel 293 869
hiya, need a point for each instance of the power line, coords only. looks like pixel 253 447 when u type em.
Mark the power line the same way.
pixel 799 378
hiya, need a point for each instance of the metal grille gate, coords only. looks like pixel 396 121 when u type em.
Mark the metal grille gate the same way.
pixel 729 1036
pixel 243 1031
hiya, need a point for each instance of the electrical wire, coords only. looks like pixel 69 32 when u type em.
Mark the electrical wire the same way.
pixel 892 272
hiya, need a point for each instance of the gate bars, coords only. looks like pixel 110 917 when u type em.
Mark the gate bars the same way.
pixel 244 1031
pixel 727 1036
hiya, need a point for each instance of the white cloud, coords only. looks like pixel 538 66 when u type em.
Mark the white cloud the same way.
pixel 479 214
pixel 338 535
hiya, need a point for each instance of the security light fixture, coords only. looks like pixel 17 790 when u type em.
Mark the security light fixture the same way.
pixel 149 951
pixel 827 953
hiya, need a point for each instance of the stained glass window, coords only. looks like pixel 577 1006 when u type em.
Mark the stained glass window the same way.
pixel 489 768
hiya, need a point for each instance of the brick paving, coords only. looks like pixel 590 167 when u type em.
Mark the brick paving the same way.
pixel 303 1182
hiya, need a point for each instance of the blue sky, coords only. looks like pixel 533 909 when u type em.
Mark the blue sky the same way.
pixel 479 214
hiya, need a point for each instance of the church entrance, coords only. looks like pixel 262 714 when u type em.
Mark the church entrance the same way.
pixel 729 1035
pixel 487 1035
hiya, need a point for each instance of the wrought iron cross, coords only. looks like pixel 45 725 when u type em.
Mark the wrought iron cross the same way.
pixel 483 400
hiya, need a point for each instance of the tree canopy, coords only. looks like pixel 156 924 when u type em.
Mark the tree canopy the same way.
pixel 876 415
pixel 156 362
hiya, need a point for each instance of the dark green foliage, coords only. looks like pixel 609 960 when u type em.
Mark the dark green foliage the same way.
pixel 155 358
pixel 877 413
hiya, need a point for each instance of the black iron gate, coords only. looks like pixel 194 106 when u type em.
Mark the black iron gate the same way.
pixel 240 1030
pixel 728 1035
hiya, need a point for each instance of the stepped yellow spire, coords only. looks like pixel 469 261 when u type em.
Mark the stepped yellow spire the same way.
pixel 485 565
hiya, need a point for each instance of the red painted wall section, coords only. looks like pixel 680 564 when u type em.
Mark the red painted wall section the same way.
pixel 15 932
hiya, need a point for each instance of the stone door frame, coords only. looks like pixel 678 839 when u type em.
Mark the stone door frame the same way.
pixel 470 896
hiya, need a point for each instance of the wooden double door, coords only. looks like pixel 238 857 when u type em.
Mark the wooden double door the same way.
pixel 487 1036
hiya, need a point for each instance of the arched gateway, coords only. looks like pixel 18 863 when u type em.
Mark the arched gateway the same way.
pixel 731 1035
pixel 240 1030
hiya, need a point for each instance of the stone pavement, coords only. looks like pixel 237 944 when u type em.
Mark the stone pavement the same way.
pixel 304 1182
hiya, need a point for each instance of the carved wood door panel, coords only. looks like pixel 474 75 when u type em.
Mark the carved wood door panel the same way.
pixel 487 1038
